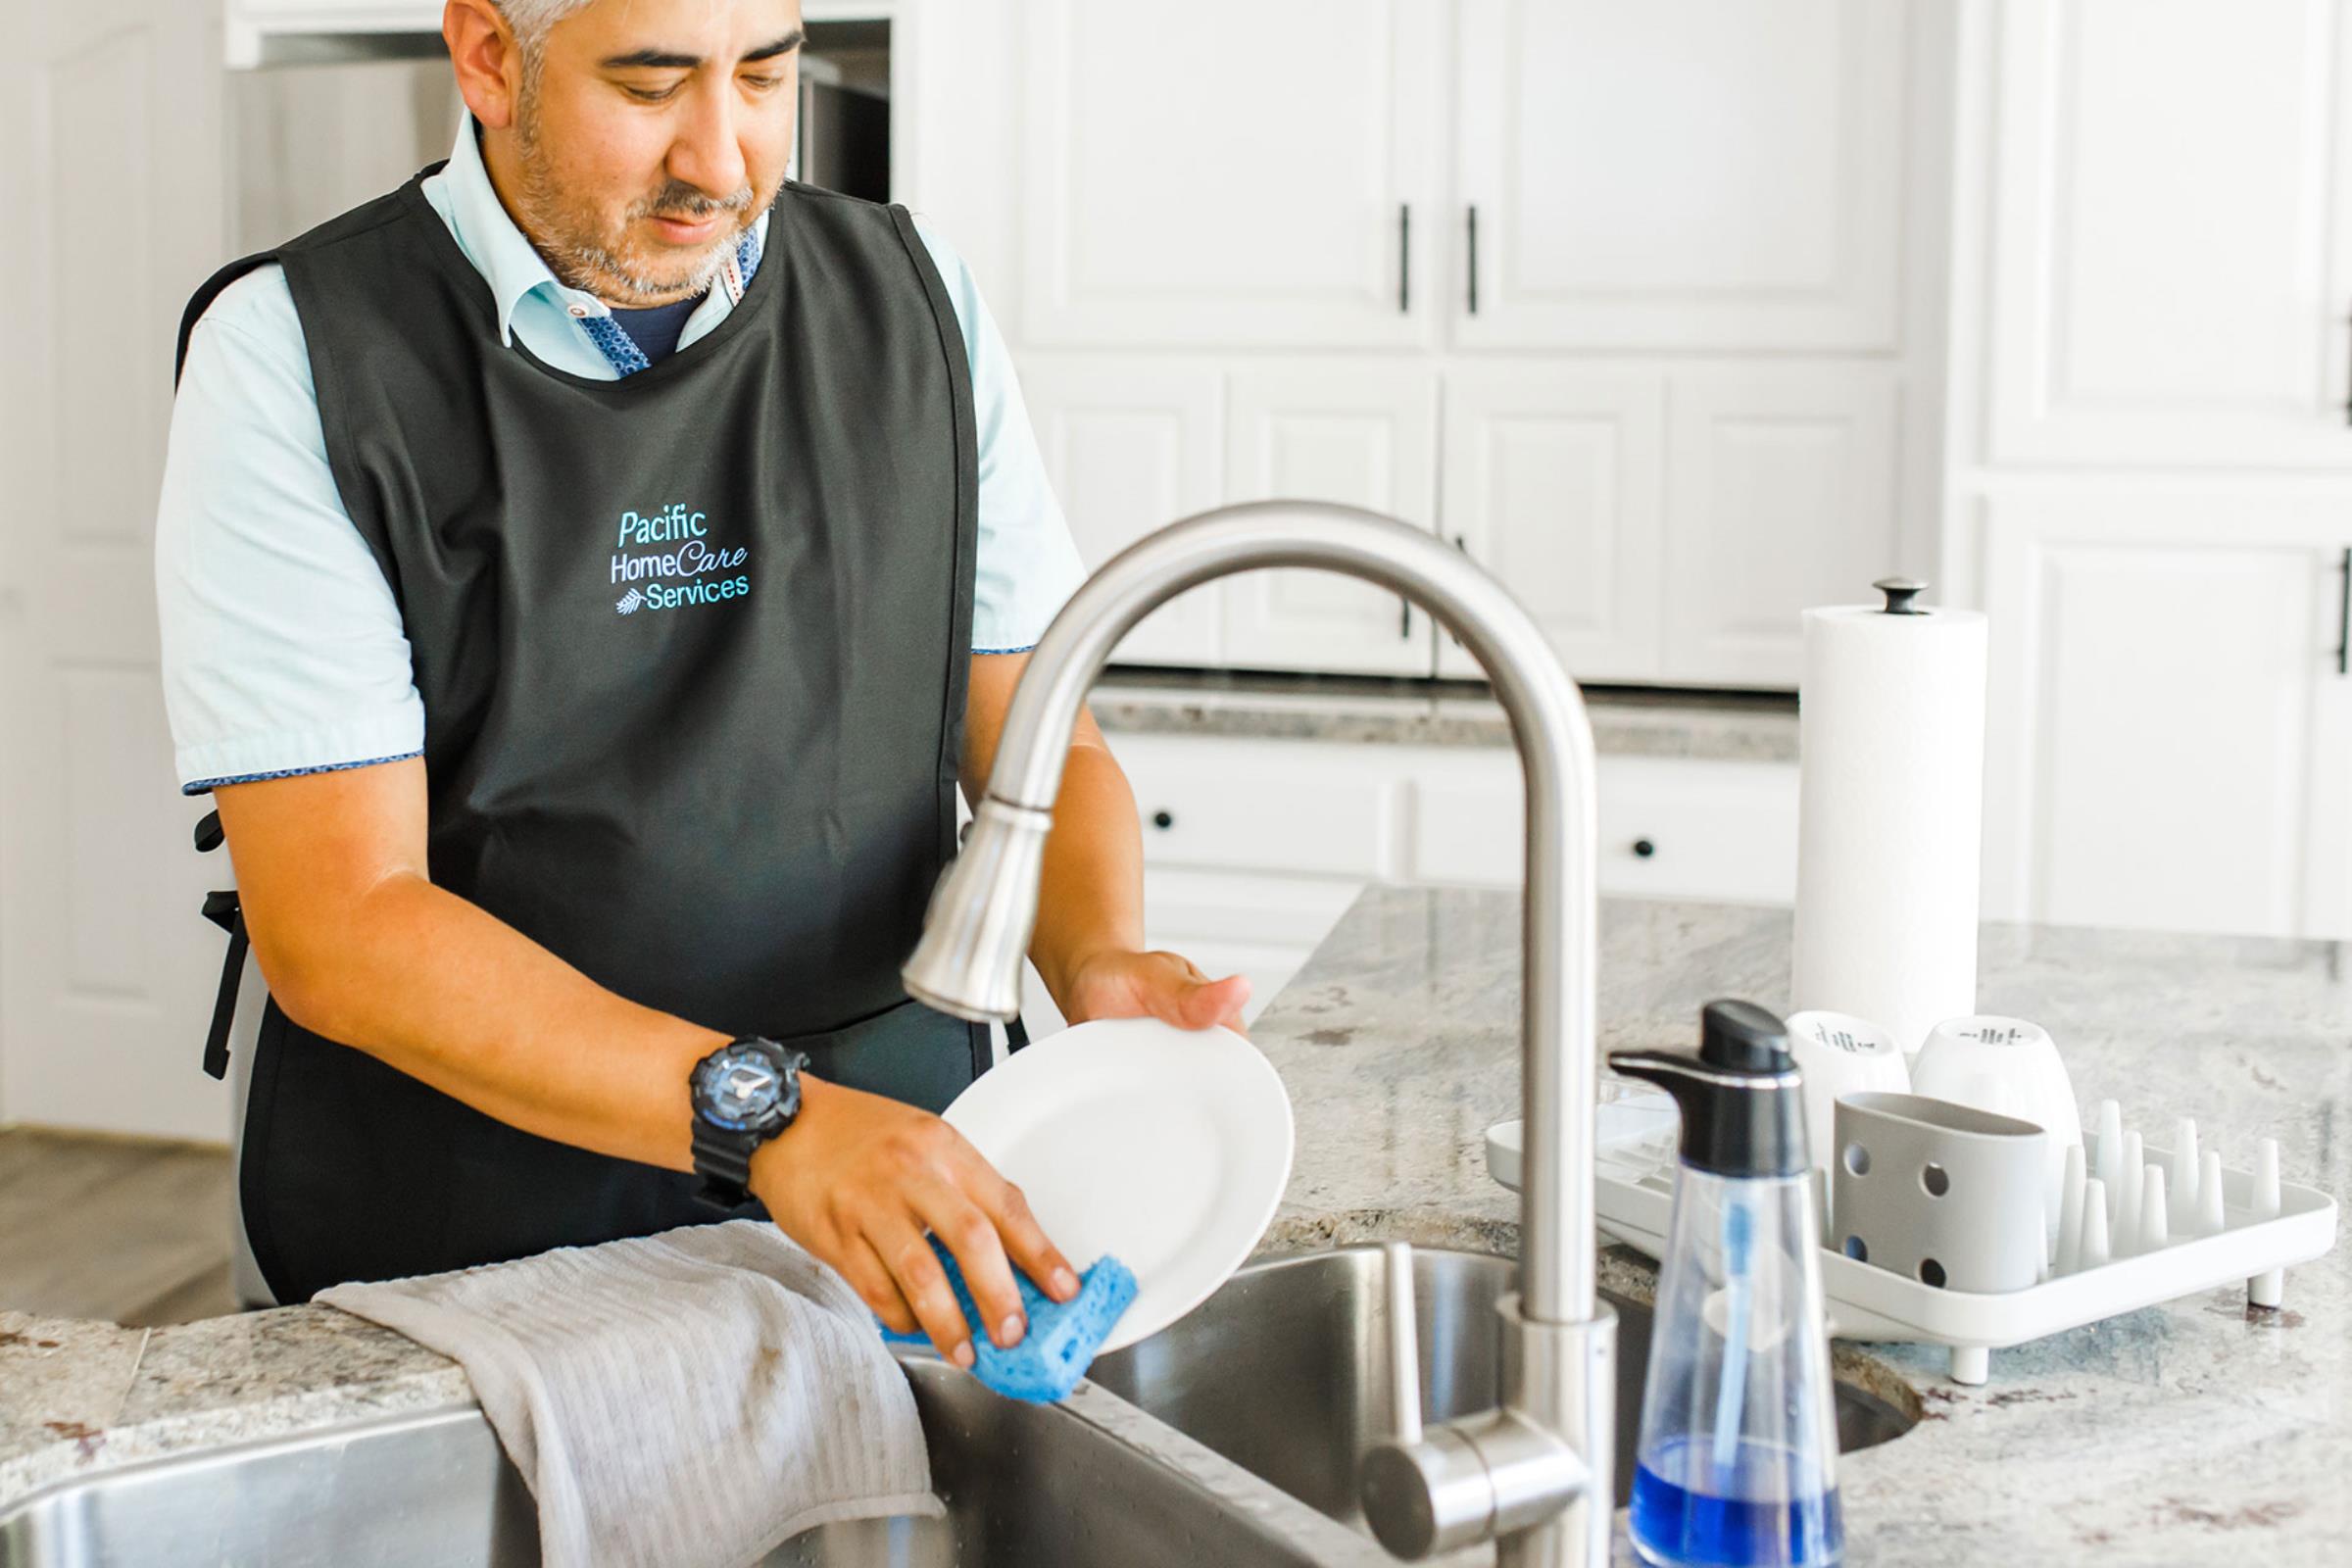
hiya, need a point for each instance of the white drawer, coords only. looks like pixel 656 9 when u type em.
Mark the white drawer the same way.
pixel 1263 806
pixel 1669 827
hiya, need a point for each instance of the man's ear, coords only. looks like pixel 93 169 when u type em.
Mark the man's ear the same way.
pixel 487 60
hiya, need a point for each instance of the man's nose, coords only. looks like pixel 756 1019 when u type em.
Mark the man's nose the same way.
pixel 707 152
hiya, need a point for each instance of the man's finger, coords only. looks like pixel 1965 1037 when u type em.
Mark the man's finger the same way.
pixel 971 1236
pixel 907 1253
pixel 1202 1005
pixel 872 1281
pixel 1025 1241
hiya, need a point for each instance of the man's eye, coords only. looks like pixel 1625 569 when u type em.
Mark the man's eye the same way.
pixel 763 83
pixel 651 95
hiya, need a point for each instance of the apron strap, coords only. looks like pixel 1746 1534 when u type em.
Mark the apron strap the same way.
pixel 225 912
pixel 223 908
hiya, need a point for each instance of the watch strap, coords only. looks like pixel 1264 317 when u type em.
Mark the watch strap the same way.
pixel 724 1160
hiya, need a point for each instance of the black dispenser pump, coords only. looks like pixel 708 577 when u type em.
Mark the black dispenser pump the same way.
pixel 1743 1114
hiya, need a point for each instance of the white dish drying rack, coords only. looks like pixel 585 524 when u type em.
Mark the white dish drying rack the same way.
pixel 2267 1228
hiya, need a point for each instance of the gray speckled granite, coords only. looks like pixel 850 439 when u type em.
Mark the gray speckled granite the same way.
pixel 1762 729
pixel 2182 1433
pixel 2191 1433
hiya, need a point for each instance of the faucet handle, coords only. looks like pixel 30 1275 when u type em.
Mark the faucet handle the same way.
pixel 1405 1359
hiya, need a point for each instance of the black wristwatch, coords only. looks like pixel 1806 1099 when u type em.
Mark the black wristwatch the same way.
pixel 745 1093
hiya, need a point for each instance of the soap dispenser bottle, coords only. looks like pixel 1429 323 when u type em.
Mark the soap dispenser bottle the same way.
pixel 1737 1459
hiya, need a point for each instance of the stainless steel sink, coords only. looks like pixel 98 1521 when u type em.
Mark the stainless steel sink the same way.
pixel 1285 1370
pixel 1088 1484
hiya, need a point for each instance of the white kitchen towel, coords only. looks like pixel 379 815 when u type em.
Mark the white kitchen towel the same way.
pixel 681 1401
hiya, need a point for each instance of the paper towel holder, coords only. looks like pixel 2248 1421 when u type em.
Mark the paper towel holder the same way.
pixel 1900 592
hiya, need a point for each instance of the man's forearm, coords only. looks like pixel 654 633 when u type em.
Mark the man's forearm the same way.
pixel 445 991
pixel 1091 896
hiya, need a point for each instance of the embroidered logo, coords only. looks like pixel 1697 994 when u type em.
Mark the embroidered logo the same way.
pixel 674 543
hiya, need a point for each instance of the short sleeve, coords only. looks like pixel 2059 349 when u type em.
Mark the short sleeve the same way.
pixel 1027 562
pixel 283 650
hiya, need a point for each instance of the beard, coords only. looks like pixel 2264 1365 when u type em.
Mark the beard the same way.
pixel 587 252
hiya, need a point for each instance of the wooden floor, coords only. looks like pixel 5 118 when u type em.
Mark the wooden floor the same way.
pixel 128 1230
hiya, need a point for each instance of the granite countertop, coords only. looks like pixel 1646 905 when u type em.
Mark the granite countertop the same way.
pixel 2180 1434
pixel 1626 721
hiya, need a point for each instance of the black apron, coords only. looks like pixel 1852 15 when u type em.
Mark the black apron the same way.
pixel 693 648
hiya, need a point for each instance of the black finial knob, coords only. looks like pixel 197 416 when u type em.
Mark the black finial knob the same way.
pixel 1900 592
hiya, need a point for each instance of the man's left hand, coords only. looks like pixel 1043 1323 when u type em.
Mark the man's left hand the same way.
pixel 1154 985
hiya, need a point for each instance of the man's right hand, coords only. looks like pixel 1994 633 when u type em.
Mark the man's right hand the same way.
pixel 859 1179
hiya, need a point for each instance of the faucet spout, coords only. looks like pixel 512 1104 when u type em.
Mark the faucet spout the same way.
pixel 984 911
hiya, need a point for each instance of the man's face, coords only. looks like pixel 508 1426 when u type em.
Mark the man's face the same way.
pixel 650 134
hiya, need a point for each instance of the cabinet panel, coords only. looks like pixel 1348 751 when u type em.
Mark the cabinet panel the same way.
pixel 1131 447
pixel 1364 434
pixel 1263 806
pixel 1669 827
pixel 1680 173
pixel 2171 224
pixel 1236 174
pixel 2171 744
pixel 1552 481
pixel 1779 494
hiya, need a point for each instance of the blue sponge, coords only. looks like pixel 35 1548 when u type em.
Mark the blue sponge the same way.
pixel 1061 1339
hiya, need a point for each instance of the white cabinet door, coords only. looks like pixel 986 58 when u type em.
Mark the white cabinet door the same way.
pixel 1780 493
pixel 1132 446
pixel 1366 433
pixel 2170 741
pixel 113 180
pixel 1238 172
pixel 1553 482
pixel 1680 174
pixel 2172 231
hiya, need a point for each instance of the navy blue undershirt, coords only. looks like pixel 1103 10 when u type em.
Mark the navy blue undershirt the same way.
pixel 657 329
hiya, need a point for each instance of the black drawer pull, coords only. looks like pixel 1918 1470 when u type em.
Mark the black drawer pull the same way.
pixel 1643 848
pixel 1164 820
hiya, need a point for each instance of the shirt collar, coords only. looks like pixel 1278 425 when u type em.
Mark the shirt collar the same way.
pixel 497 248
pixel 513 266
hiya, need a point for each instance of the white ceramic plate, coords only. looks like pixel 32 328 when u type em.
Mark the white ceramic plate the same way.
pixel 1165 1149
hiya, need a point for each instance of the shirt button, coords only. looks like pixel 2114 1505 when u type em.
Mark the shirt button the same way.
pixel 579 310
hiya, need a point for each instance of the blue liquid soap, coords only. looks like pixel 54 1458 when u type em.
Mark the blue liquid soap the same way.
pixel 1687 1529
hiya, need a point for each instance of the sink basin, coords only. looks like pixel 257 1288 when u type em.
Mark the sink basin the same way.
pixel 1284 1371
pixel 1067 1484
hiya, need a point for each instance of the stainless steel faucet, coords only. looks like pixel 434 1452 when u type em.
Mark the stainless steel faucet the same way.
pixel 1535 1475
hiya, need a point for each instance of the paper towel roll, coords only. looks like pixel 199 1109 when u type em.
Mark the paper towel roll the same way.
pixel 1890 815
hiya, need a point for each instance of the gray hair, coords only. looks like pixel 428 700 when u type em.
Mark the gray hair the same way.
pixel 531 19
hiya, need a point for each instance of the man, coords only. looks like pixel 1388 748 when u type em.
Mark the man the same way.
pixel 583 585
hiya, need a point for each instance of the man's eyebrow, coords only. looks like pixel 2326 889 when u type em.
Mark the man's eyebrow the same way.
pixel 651 58
pixel 781 46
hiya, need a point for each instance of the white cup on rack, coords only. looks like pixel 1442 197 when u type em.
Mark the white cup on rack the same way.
pixel 2012 1068
pixel 1839 1053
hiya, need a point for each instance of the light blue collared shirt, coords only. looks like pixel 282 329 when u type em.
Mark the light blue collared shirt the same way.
pixel 283 650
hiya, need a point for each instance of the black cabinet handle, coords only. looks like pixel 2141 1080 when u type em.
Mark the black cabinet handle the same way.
pixel 1404 620
pixel 1643 848
pixel 1405 258
pixel 2343 615
pixel 1473 258
pixel 1164 820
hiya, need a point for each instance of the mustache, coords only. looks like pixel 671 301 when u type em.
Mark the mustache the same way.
pixel 677 199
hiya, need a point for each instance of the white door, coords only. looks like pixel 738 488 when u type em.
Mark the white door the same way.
pixel 1350 430
pixel 1781 493
pixel 2171 729
pixel 1553 482
pixel 2172 234
pixel 1131 446
pixel 1236 171
pixel 110 174
pixel 1678 173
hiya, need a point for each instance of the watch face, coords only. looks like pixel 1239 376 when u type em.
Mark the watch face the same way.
pixel 741 1088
